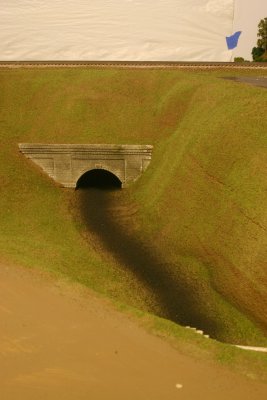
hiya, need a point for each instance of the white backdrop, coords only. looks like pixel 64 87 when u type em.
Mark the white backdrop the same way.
pixel 161 30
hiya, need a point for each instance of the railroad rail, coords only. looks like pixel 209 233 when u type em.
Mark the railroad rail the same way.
pixel 133 64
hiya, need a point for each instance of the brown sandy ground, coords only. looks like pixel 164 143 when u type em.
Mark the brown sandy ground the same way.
pixel 58 344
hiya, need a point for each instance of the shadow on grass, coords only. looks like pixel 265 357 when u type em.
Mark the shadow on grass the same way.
pixel 172 298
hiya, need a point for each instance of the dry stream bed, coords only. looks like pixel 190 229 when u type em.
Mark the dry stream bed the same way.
pixel 111 222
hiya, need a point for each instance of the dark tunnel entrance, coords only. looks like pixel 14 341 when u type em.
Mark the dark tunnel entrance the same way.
pixel 100 179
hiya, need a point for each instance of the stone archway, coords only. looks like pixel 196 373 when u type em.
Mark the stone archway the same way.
pixel 66 163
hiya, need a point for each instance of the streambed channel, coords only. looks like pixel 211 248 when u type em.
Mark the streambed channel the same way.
pixel 112 222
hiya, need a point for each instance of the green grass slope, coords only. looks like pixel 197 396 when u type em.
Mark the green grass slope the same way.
pixel 209 204
pixel 201 204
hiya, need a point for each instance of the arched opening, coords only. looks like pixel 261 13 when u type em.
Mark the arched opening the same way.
pixel 100 179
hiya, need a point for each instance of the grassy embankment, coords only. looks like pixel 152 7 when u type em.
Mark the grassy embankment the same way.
pixel 201 204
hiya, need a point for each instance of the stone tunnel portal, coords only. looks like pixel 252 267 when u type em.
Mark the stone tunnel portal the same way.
pixel 67 163
pixel 100 179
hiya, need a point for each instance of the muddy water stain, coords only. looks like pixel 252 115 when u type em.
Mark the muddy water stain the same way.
pixel 103 211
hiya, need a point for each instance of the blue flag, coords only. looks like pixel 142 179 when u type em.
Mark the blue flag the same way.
pixel 233 40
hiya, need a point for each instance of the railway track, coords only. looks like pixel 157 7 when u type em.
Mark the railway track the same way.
pixel 133 64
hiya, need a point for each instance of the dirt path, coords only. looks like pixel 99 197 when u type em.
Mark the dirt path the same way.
pixel 254 81
pixel 56 344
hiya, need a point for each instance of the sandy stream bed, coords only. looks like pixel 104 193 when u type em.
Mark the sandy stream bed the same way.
pixel 58 344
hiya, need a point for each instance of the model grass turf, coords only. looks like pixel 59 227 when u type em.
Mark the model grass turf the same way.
pixel 201 204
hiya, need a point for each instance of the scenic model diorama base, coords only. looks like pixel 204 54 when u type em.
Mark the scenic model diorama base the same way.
pixel 193 205
pixel 156 291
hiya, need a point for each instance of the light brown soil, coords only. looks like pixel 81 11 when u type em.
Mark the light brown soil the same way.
pixel 58 344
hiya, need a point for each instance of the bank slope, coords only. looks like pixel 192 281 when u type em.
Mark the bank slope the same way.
pixel 200 205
